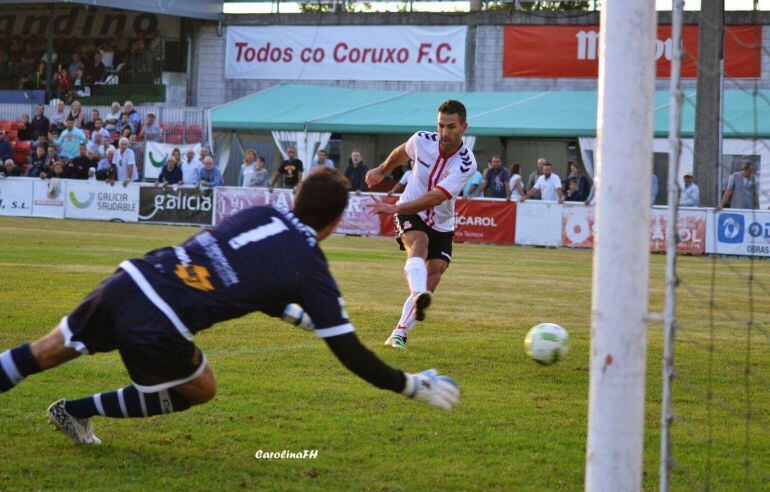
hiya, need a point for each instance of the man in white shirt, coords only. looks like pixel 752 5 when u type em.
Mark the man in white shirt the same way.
pixel 320 160
pixel 125 160
pixel 691 193
pixel 549 186
pixel 191 168
pixel 425 215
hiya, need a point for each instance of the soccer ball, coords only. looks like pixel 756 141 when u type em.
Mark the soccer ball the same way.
pixel 546 343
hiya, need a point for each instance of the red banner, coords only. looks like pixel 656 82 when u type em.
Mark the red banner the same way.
pixel 573 51
pixel 478 221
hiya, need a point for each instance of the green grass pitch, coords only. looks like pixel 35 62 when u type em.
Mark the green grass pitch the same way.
pixel 519 426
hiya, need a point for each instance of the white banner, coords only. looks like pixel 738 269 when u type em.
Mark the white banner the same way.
pixel 420 53
pixel 100 201
pixel 155 155
pixel 738 232
pixel 48 198
pixel 16 196
pixel 538 223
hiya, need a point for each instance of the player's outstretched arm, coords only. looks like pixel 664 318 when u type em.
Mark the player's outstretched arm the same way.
pixel 427 386
pixel 422 202
pixel 396 158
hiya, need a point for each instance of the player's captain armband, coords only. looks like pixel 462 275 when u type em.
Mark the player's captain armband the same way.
pixel 294 314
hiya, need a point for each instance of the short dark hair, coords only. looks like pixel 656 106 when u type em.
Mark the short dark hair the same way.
pixel 322 197
pixel 453 106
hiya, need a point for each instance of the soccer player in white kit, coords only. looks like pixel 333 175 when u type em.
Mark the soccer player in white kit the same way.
pixel 425 217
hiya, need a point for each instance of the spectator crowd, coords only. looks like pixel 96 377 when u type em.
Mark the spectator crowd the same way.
pixel 84 64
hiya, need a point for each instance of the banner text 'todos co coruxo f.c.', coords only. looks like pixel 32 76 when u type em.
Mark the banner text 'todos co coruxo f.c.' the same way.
pixel 417 53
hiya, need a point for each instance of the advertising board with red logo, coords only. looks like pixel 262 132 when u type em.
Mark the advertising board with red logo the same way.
pixel 573 51
pixel 579 229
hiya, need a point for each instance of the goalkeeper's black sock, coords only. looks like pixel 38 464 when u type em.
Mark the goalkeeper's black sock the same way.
pixel 15 365
pixel 127 402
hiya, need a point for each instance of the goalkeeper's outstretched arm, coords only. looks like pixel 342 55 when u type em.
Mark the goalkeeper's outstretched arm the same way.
pixel 427 386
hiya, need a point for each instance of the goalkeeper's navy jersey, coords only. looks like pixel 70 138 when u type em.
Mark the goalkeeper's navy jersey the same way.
pixel 260 259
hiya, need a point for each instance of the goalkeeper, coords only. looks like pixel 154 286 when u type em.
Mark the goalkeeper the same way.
pixel 263 259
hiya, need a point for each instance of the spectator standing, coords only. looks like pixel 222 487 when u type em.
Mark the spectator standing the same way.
pixel 320 160
pixel 151 131
pixel 105 169
pixel 171 173
pixel 210 175
pixel 261 177
pixel 541 162
pixel 6 151
pixel 40 124
pixel 58 116
pixel 690 194
pixel 51 156
pixel 108 56
pixel 548 185
pixel 70 139
pixel 496 180
pixel 97 70
pixel 99 129
pixel 76 113
pixel 80 85
pixel 125 122
pixel 473 185
pixel 125 162
pixel 90 125
pixel 133 115
pixel 517 189
pixel 291 169
pixel 356 172
pixel 741 191
pixel 576 184
pixel 248 168
pixel 191 168
pixel 112 119
pixel 25 129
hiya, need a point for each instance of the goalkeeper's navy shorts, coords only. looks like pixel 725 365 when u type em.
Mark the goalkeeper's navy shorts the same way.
pixel 439 243
pixel 117 315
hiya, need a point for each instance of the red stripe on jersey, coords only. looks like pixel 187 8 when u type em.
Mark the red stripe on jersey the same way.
pixel 432 212
pixel 448 195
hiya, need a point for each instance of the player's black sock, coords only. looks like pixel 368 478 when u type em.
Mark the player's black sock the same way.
pixel 15 365
pixel 127 402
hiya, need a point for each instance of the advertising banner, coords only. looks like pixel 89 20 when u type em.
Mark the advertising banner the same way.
pixel 426 53
pixel 176 205
pixel 16 197
pixel 738 232
pixel 79 22
pixel 100 201
pixel 573 51
pixel 577 226
pixel 48 198
pixel 579 229
pixel 155 155
pixel 691 227
pixel 357 219
pixel 485 221
pixel 538 223
pixel 230 201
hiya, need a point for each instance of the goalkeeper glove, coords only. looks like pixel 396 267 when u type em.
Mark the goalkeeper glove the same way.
pixel 294 314
pixel 428 386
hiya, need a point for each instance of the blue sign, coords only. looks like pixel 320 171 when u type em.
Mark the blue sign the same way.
pixel 730 228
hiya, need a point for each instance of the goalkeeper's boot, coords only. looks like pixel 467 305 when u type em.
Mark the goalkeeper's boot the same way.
pixel 421 303
pixel 79 430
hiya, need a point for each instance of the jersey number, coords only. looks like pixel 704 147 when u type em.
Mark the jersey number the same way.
pixel 276 226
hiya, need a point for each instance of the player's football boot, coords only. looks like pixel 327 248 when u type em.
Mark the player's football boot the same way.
pixel 79 430
pixel 421 303
pixel 396 341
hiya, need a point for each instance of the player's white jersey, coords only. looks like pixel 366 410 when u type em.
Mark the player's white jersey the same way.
pixel 434 170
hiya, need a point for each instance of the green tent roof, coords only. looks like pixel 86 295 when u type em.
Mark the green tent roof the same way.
pixel 500 114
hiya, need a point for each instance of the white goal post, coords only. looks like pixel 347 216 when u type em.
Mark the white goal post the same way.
pixel 621 250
